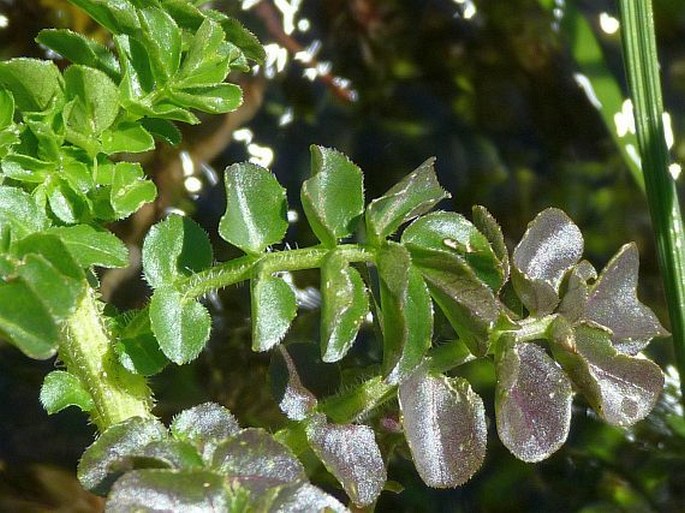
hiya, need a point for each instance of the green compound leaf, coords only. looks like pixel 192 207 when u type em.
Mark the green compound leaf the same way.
pixel 469 305
pixel 19 213
pixel 333 198
pixel 90 246
pixel 551 245
pixel 94 97
pixel 274 307
pixel 181 325
pixel 207 61
pixel 613 303
pixel 159 490
pixel 26 322
pixel 451 234
pixel 173 249
pixel 344 304
pixel 32 82
pixel 414 195
pixel 110 455
pixel 163 41
pixel 444 423
pixel 6 109
pixel 61 390
pixel 217 99
pixel 351 454
pixel 163 130
pixel 622 389
pixel 533 402
pixel 256 208
pixel 488 226
pixel 128 138
pixel 204 426
pixel 130 190
pixel 80 50
pixel 255 460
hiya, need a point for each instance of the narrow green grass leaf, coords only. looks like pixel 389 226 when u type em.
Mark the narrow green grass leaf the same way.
pixel 642 66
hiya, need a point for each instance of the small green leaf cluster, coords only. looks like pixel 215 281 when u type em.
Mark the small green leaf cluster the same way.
pixel 203 462
pixel 553 329
pixel 62 133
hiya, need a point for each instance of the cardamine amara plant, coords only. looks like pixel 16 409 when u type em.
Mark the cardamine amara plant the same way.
pixel 551 324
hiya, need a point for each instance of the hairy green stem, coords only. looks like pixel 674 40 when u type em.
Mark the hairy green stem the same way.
pixel 87 351
pixel 247 267
pixel 642 68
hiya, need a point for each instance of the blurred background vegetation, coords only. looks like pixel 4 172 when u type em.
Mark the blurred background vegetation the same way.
pixel 522 103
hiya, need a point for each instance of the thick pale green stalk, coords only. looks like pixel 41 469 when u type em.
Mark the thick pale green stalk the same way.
pixel 642 68
pixel 87 351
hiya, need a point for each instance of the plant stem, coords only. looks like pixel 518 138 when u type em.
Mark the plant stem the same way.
pixel 87 352
pixel 247 267
pixel 642 68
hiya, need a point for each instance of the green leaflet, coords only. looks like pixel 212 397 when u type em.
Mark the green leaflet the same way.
pixel 444 424
pixel 19 213
pixel 349 452
pixel 181 325
pixel 216 99
pixel 109 456
pixel 130 190
pixel 137 348
pixel 449 233
pixel 115 15
pixel 345 303
pixel 207 61
pixel 273 309
pixel 470 306
pixel 204 426
pixel 254 459
pixel 162 129
pixel 621 388
pixel 32 82
pixel 186 490
pixel 532 402
pixel 127 137
pixel 80 50
pixel 61 390
pixel 26 322
pixel 58 293
pixel 407 313
pixel 412 196
pixel 162 38
pixel 333 198
pixel 89 246
pixel 6 109
pixel 93 100
pixel 173 249
pixel 255 215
